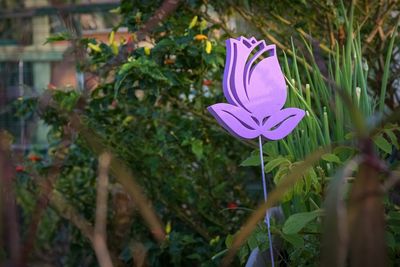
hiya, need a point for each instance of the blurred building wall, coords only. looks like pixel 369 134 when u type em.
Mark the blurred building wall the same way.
pixel 42 65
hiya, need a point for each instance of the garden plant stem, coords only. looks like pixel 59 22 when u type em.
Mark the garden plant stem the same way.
pixel 267 221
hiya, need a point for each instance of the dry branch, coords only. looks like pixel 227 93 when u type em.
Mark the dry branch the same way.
pixel 100 228
pixel 124 176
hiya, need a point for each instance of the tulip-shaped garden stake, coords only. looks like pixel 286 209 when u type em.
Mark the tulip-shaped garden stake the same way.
pixel 256 94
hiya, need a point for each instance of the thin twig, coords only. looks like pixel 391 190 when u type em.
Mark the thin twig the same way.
pixel 379 22
pixel 65 210
pixel 124 176
pixel 323 46
pixel 166 8
pixel 100 227
pixel 270 37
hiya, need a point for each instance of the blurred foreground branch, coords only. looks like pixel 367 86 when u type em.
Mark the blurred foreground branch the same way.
pixel 100 230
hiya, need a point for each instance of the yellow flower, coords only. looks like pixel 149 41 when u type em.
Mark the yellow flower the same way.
pixel 127 120
pixel 208 47
pixel 147 51
pixel 200 37
pixel 203 24
pixel 113 44
pixel 111 37
pixel 193 22
pixel 114 48
pixel 95 47
pixel 168 228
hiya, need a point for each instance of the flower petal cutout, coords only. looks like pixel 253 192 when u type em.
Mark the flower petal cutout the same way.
pixel 282 123
pixel 268 76
pixel 236 120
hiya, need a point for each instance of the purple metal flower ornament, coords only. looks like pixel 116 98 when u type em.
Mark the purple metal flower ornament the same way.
pixel 256 93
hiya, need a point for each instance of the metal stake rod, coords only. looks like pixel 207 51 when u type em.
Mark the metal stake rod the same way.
pixel 21 94
pixel 267 221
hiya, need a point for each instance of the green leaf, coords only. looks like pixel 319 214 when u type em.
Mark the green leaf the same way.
pixel 344 152
pixel 62 36
pixel 276 195
pixel 275 163
pixel 331 158
pixel 262 239
pixel 386 69
pixel 219 189
pixel 127 120
pixel 280 174
pixel 251 161
pixel 298 221
pixel 197 148
pixel 393 138
pixel 311 180
pixel 390 240
pixel 194 256
pixel 243 254
pixel 229 241
pixel 394 215
pixel 270 148
pixel 252 242
pixel 219 254
pixel 349 136
pixel 68 100
pixel 144 66
pixel 294 239
pixel 383 144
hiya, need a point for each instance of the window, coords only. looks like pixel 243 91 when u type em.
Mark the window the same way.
pixel 14 30
pixel 9 92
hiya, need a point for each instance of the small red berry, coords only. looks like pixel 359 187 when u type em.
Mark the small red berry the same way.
pixel 232 205
pixel 34 158
pixel 207 82
pixel 129 48
pixel 129 44
pixel 169 61
pixel 19 168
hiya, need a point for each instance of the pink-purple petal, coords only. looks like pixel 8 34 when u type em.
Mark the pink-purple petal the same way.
pixel 267 87
pixel 233 83
pixel 282 123
pixel 256 93
pixel 235 120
